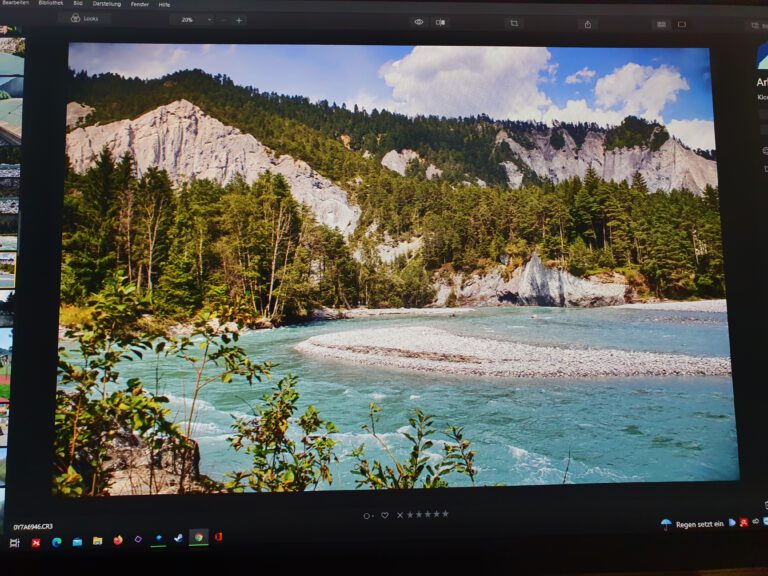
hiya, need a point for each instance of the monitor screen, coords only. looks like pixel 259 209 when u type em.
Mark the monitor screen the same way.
pixel 308 263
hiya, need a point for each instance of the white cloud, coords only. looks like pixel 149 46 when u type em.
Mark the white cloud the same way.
pixel 460 80
pixel 583 75
pixel 694 133
pixel 639 90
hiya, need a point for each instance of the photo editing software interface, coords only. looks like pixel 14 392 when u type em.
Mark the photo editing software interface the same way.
pixel 285 271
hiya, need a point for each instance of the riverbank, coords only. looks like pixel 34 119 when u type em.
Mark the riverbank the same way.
pixel 712 306
pixel 434 350
pixel 75 315
pixel 368 312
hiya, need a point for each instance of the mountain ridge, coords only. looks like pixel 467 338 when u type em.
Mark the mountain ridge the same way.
pixel 463 149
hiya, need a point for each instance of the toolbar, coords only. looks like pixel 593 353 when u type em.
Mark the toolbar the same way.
pixel 431 16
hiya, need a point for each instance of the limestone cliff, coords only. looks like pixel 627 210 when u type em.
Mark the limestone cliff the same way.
pixel 183 140
pixel 531 285
pixel 671 166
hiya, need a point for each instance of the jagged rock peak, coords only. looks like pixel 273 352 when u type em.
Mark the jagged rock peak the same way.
pixel 189 144
pixel 671 166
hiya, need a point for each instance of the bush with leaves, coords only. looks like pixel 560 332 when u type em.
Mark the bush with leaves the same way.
pixel 94 409
pixel 416 471
pixel 280 462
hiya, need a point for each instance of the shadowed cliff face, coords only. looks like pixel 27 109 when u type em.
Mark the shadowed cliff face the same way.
pixel 188 144
pixel 532 285
pixel 542 286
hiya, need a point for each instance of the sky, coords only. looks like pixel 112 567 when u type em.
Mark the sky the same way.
pixel 602 85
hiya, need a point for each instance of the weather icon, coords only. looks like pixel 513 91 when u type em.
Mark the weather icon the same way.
pixel 666 523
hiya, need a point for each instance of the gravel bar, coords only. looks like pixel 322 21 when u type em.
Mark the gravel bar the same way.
pixel 438 351
pixel 695 306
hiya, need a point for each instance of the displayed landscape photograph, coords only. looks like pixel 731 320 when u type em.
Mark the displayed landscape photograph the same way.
pixel 291 268
pixel 11 92
pixel 7 308
pixel 6 352
pixel 7 270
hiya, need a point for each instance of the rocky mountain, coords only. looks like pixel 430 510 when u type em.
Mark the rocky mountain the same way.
pixel 671 166
pixel 537 152
pixel 532 284
pixel 186 142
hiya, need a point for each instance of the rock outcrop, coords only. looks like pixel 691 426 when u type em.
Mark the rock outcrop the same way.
pixel 77 113
pixel 135 468
pixel 672 166
pixel 189 144
pixel 398 161
pixel 390 250
pixel 433 172
pixel 532 285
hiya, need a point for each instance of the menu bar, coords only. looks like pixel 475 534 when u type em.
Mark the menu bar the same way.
pixel 299 6
pixel 431 16
pixel 88 4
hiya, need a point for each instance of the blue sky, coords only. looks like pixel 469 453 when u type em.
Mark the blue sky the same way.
pixel 602 85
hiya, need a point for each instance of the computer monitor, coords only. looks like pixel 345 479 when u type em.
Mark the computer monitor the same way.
pixel 321 272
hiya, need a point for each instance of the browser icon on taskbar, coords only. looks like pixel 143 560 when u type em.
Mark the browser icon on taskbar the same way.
pixel 198 537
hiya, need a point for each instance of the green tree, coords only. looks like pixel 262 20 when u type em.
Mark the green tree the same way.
pixel 155 208
pixel 417 290
pixel 90 211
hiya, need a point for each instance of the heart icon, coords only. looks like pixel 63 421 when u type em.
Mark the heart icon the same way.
pixel 385 515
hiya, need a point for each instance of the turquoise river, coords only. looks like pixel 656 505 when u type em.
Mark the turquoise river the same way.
pixel 640 429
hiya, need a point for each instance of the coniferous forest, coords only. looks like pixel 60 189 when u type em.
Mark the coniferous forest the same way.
pixel 200 244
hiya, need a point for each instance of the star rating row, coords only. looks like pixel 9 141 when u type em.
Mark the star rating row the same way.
pixel 419 514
